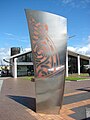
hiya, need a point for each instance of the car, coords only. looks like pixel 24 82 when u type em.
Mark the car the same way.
pixel 4 73
pixel 30 73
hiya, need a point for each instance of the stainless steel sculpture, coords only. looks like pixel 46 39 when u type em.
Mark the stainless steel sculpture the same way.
pixel 48 34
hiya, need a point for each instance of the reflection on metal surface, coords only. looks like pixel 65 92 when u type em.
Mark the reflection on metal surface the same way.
pixel 48 33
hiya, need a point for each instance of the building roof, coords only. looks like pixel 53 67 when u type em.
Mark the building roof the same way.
pixel 69 52
pixel 72 53
pixel 17 55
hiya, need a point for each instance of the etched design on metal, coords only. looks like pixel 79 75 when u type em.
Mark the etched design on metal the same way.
pixel 47 61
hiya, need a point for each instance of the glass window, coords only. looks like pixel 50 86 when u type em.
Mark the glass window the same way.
pixel 19 59
pixel 22 58
pixel 28 57
pixel 25 58
pixel 82 63
pixel 72 64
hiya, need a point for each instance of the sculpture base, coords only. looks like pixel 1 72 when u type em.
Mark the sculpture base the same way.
pixel 52 110
pixel 49 94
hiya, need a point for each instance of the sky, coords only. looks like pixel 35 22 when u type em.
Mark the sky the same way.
pixel 14 29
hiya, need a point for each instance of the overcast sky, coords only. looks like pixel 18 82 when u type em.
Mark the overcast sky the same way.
pixel 14 29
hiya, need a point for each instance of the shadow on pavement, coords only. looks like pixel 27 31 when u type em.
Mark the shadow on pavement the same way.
pixel 84 89
pixel 26 101
pixel 86 119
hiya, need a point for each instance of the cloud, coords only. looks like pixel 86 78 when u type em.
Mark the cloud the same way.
pixel 71 48
pixel 85 49
pixel 67 1
pixel 10 36
pixel 82 50
pixel 25 50
pixel 25 40
pixel 4 53
pixel 89 38
pixel 76 3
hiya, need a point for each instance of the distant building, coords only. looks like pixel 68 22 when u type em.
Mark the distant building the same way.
pixel 75 62
pixel 22 64
pixel 15 50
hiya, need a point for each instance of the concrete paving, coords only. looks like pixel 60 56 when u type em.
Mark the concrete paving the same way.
pixel 18 95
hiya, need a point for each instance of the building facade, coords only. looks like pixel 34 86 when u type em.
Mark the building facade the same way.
pixel 75 63
pixel 22 63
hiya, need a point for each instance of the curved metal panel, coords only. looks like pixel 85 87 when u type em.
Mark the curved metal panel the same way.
pixel 48 34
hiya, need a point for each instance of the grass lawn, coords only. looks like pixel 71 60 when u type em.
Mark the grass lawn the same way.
pixel 82 76
pixel 29 77
pixel 73 77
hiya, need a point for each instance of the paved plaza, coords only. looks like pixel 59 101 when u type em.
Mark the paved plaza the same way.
pixel 17 97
